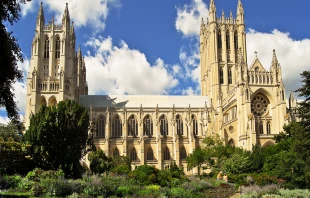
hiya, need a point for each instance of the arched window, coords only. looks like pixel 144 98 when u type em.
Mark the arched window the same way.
pixel 219 40
pixel 268 127
pixel 147 126
pixel 227 40
pixel 166 154
pixel 179 123
pixel 267 80
pixel 231 143
pixel 236 40
pixel 117 127
pixel 183 154
pixel 46 47
pixel 163 125
pixel 101 126
pixel 221 75
pixel 194 125
pixel 261 128
pixel 57 50
pixel 115 152
pixel 132 126
pixel 52 101
pixel 229 76
pixel 43 101
pixel 149 154
pixel 133 155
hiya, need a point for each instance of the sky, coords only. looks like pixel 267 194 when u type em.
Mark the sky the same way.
pixel 152 46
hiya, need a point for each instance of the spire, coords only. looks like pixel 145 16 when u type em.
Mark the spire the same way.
pixel 212 11
pixel 66 16
pixel 274 58
pixel 223 14
pixel 40 18
pixel 231 15
pixel 240 12
pixel 202 22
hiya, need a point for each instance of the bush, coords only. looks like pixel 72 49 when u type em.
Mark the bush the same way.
pixel 255 190
pixel 7 182
pixel 37 190
pixel 294 193
pixel 177 192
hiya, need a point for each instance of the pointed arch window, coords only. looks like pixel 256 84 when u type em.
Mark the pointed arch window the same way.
pixel 150 154
pixel 133 155
pixel 194 125
pixel 227 40
pixel 101 127
pixel 163 125
pixel 116 127
pixel 179 123
pixel 236 40
pixel 221 75
pixel 115 152
pixel 147 126
pixel 46 47
pixel 132 126
pixel 166 154
pixel 57 50
pixel 219 40
pixel 229 76
pixel 183 154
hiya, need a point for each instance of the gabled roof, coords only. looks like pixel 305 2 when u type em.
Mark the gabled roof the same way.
pixel 256 63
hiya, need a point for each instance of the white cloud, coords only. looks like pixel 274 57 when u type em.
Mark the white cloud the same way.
pixel 121 70
pixel 189 17
pixel 191 92
pixel 82 12
pixel 293 55
pixel 4 120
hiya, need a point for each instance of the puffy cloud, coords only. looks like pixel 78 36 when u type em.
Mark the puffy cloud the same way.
pixel 189 91
pixel 121 70
pixel 82 12
pixel 189 17
pixel 293 55
pixel 4 120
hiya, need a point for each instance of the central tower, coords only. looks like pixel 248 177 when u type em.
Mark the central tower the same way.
pixel 221 40
pixel 57 72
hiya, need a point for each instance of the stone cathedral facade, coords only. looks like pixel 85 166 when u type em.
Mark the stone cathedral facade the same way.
pixel 244 105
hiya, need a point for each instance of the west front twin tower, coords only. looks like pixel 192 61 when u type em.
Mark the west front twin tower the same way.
pixel 244 105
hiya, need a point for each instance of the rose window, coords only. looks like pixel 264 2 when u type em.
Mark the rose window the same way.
pixel 259 105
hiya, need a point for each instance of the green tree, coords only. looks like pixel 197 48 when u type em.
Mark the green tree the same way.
pixel 197 159
pixel 59 137
pixel 10 54
pixel 99 162
pixel 10 131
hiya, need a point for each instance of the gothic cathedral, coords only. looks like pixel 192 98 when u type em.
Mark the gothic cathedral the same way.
pixel 244 105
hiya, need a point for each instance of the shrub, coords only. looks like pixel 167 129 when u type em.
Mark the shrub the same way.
pixel 294 193
pixel 259 191
pixel 37 190
pixel 7 182
pixel 123 190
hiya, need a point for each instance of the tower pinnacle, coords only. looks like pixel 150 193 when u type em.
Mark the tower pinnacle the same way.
pixel 212 11
pixel 40 18
pixel 274 58
pixel 66 16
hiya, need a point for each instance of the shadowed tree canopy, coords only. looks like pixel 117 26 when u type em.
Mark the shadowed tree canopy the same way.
pixel 59 137
pixel 10 54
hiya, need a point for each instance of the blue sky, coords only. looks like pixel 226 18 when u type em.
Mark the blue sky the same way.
pixel 151 46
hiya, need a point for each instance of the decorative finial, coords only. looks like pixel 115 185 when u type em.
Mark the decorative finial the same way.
pixel 255 54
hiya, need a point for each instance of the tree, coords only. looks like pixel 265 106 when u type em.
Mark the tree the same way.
pixel 10 131
pixel 10 54
pixel 196 159
pixel 59 137
pixel 99 162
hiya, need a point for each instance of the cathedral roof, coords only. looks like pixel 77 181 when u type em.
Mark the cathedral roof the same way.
pixel 147 101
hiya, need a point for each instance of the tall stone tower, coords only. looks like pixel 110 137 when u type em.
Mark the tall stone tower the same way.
pixel 57 72
pixel 248 103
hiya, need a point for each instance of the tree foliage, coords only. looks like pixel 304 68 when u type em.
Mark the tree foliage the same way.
pixel 10 54
pixel 99 162
pixel 197 159
pixel 59 137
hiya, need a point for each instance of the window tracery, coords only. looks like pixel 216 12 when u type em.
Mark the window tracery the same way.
pixel 259 105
